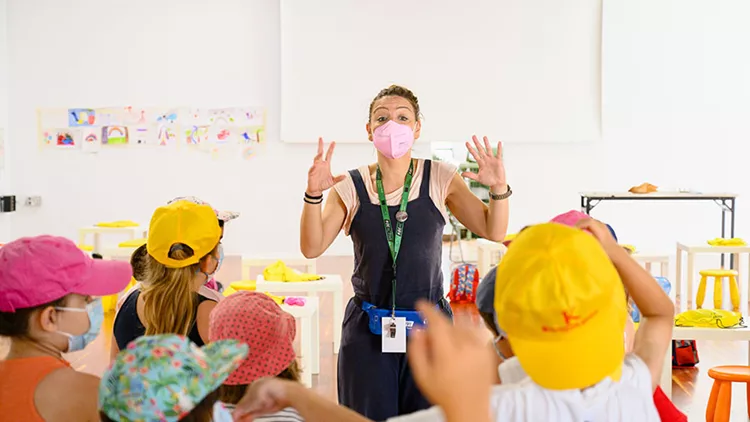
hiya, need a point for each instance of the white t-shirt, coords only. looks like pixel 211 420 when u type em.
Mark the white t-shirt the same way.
pixel 283 415
pixel 630 399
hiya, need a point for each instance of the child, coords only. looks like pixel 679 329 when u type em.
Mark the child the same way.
pixel 256 320
pixel 223 217
pixel 168 378
pixel 50 305
pixel 184 251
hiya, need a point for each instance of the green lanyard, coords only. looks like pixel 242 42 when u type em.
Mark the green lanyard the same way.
pixel 394 242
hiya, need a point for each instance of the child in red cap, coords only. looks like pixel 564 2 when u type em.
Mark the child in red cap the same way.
pixel 256 320
pixel 49 305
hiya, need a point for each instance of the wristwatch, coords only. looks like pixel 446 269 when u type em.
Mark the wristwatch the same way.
pixel 501 196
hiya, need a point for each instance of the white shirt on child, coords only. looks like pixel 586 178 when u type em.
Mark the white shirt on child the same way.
pixel 521 400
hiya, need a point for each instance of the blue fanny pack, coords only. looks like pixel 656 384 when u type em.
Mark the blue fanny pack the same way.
pixel 376 315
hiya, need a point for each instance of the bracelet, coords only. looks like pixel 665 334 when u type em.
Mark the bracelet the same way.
pixel 316 202
pixel 501 196
pixel 313 198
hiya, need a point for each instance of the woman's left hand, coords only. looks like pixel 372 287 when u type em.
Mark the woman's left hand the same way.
pixel 491 168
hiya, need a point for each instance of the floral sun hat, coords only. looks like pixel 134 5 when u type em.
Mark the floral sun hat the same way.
pixel 164 377
pixel 224 216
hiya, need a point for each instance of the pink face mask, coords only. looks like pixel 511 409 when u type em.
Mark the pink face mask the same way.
pixel 392 139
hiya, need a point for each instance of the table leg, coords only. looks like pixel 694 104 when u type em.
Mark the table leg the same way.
pixel 97 238
pixel 689 279
pixel 315 368
pixel 664 270
pixel 666 373
pixel 338 319
pixel 306 351
pixel 678 277
pixel 731 227
pixel 81 238
pixel 648 267
pixel 723 232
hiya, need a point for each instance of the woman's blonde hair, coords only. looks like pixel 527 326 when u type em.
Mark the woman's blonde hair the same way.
pixel 169 294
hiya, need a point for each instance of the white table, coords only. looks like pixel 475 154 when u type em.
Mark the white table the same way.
pixel 133 232
pixel 698 334
pixel 488 255
pixel 310 265
pixel 330 283
pixel 691 251
pixel 649 259
pixel 309 318
pixel 118 253
pixel 725 201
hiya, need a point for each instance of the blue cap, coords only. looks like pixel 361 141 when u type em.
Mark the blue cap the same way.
pixel 611 230
pixel 486 297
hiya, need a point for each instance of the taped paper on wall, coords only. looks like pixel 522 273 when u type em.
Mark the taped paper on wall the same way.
pixel 91 140
pixel 114 135
pixel 81 117
pixel 61 137
pixel 142 135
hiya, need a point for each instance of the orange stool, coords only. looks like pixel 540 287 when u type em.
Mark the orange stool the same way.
pixel 719 276
pixel 720 400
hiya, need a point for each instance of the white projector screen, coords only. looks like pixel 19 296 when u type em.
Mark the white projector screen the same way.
pixel 514 70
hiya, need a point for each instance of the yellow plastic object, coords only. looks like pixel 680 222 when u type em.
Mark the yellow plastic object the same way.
pixel 630 248
pixel 109 303
pixel 711 318
pixel 117 224
pixel 280 272
pixel 248 285
pixel 87 248
pixel 228 291
pixel 718 276
pixel 134 243
pixel 735 241
pixel 278 299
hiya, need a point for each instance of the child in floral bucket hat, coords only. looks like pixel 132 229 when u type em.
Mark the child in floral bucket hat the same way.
pixel 168 378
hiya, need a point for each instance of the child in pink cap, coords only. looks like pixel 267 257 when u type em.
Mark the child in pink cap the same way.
pixel 256 320
pixel 49 305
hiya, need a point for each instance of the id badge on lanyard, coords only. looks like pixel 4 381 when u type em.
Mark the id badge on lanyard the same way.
pixel 393 328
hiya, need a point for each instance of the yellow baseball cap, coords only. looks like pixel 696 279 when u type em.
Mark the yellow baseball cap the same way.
pixel 560 300
pixel 182 222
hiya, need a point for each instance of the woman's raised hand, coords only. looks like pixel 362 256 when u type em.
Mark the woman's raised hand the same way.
pixel 491 168
pixel 320 178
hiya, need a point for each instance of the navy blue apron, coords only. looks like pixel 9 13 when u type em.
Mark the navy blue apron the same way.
pixel 375 384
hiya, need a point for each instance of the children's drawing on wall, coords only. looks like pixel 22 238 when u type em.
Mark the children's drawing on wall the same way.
pixel 169 116
pixel 252 135
pixel 144 135
pixel 64 137
pixel 136 116
pixel 222 116
pixel 114 135
pixel 196 135
pixel 250 116
pixel 197 117
pixel 91 140
pixel 166 135
pixel 109 116
pixel 81 117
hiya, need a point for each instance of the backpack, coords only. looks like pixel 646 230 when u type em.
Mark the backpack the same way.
pixel 684 353
pixel 464 284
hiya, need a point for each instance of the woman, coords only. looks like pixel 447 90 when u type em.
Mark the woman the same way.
pixel 395 208
pixel 184 252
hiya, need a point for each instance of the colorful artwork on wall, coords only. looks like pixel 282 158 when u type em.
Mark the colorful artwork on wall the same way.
pixel 114 135
pixel 81 117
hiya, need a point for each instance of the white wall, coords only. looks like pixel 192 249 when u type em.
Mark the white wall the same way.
pixel 226 52
pixel 5 184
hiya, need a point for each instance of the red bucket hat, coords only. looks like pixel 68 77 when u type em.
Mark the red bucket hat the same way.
pixel 256 320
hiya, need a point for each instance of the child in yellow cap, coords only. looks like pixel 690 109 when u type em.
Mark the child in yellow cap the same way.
pixel 184 251
pixel 559 297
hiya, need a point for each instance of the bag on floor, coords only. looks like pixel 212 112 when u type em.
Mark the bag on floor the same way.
pixel 464 284
pixel 684 353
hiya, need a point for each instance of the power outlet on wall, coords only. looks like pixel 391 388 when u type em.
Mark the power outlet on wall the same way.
pixel 34 201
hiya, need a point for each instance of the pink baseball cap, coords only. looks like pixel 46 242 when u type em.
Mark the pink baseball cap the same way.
pixel 256 320
pixel 42 269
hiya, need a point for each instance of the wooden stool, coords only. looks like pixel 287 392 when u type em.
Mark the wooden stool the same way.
pixel 719 276
pixel 720 400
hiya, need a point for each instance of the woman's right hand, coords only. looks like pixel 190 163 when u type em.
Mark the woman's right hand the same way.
pixel 320 178
pixel 263 397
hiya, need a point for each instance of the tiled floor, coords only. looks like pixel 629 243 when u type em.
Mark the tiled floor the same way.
pixel 691 386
